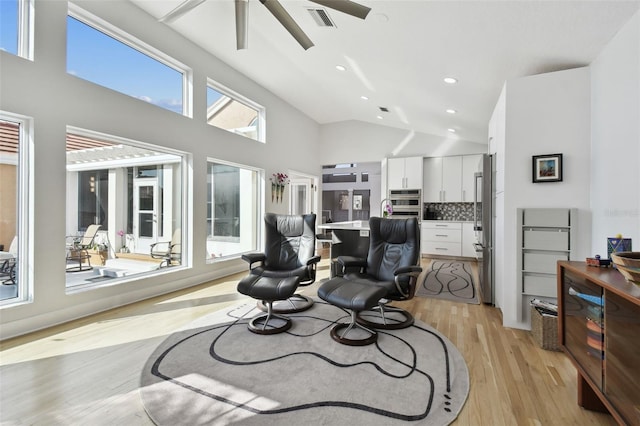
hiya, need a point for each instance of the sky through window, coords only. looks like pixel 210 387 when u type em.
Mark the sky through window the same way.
pixel 101 59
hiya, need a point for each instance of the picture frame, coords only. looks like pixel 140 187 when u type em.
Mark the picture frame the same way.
pixel 547 168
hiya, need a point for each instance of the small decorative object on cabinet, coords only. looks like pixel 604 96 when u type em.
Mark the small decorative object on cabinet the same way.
pixel 598 261
pixel 628 263
pixel 547 168
pixel 618 244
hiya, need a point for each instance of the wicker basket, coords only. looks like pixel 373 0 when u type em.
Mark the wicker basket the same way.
pixel 545 330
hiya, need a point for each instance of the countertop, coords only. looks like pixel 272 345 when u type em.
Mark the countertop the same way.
pixel 356 225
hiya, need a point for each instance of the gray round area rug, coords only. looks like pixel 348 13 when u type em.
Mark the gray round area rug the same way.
pixel 216 372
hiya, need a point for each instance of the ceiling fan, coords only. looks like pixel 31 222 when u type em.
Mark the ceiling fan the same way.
pixel 277 10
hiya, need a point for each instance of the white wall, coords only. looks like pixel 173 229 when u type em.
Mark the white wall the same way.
pixel 43 90
pixel 545 114
pixel 358 141
pixel 615 139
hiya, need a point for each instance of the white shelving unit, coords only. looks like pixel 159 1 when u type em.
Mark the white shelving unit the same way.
pixel 544 237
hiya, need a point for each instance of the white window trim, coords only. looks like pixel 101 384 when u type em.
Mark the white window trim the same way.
pixel 25 210
pixel 186 201
pixel 142 47
pixel 260 195
pixel 233 95
pixel 25 29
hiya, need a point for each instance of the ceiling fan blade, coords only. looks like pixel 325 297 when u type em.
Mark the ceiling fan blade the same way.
pixel 242 23
pixel 287 21
pixel 183 8
pixel 345 6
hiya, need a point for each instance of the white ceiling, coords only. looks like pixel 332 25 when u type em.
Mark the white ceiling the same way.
pixel 400 54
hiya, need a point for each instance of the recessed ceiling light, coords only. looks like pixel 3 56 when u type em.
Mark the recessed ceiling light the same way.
pixel 379 117
pixel 341 68
pixel 451 111
pixel 364 98
pixel 450 80
pixel 451 130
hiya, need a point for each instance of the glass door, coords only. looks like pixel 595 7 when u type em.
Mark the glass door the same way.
pixel 300 201
pixel 145 215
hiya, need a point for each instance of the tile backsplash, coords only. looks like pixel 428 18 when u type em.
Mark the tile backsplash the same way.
pixel 451 211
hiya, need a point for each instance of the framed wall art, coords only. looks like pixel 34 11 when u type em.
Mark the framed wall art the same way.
pixel 547 168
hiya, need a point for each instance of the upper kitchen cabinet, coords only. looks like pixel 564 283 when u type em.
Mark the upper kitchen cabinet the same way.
pixel 404 173
pixel 442 180
pixel 432 185
pixel 450 179
pixel 470 166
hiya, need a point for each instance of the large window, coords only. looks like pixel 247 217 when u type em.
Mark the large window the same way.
pixel 16 164
pixel 16 29
pixel 124 63
pixel 135 193
pixel 233 201
pixel 230 111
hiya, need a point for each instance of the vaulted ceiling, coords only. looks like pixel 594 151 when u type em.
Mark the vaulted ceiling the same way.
pixel 399 55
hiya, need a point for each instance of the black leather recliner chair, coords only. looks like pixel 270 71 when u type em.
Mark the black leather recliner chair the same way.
pixel 392 263
pixel 290 243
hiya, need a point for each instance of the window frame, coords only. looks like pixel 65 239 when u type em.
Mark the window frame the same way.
pixel 26 212
pixel 186 200
pixel 232 94
pixel 259 200
pixel 133 42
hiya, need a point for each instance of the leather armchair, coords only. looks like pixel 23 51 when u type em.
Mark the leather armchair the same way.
pixel 290 243
pixel 392 263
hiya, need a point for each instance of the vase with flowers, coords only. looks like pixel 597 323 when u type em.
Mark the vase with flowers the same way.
pixel 123 247
pixel 278 182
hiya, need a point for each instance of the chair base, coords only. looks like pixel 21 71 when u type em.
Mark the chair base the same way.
pixel 294 304
pixel 382 322
pixel 341 337
pixel 261 325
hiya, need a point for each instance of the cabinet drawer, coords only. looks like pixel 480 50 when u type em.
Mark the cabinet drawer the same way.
pixel 540 285
pixel 583 324
pixel 444 248
pixel 446 235
pixel 546 217
pixel 542 262
pixel 546 239
pixel 441 225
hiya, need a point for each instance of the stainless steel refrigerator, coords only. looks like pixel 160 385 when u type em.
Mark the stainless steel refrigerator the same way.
pixel 483 227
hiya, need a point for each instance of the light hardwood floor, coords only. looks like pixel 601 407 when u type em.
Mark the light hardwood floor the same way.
pixel 87 372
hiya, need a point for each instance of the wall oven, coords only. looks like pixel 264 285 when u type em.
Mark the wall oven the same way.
pixel 406 203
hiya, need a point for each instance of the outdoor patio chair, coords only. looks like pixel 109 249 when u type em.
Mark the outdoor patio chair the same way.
pixel 169 251
pixel 77 249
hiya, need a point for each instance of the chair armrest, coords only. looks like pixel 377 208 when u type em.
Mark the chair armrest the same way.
pixel 408 270
pixel 407 290
pixel 160 243
pixel 349 261
pixel 252 258
pixel 313 260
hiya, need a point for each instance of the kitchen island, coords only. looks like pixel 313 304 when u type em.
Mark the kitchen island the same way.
pixel 347 239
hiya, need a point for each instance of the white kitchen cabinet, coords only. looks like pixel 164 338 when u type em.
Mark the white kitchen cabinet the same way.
pixel 432 185
pixel 452 179
pixel 441 238
pixel 470 166
pixel 468 238
pixel 404 173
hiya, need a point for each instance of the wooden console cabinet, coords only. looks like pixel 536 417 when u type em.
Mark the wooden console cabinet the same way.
pixel 599 330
